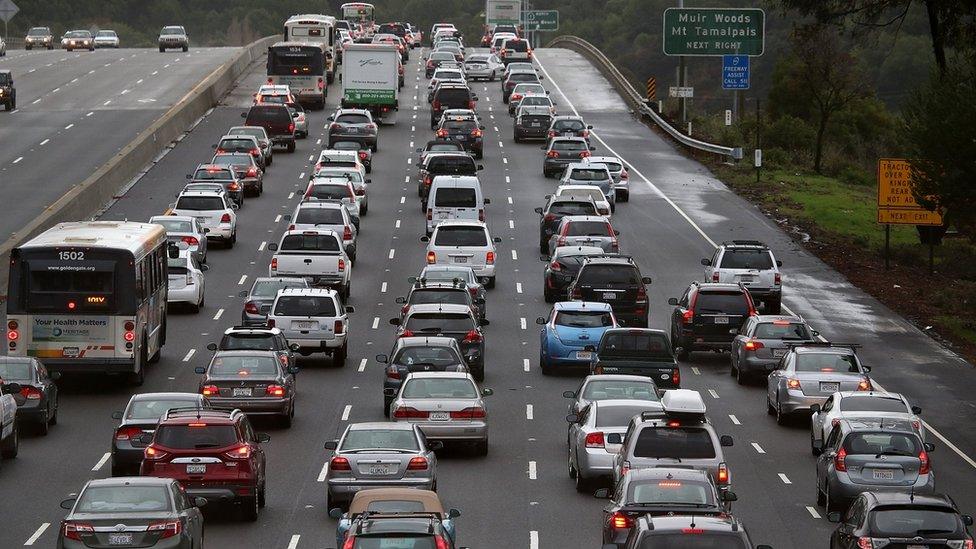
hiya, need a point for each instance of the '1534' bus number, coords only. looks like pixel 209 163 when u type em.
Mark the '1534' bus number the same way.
pixel 71 256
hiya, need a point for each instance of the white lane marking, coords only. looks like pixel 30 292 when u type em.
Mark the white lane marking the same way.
pixel 532 470
pixel 713 393
pixel 508 179
pixel 124 92
pixel 522 322
pixel 525 364
pixel 44 142
pixel 69 126
pixel 241 281
pixel 362 365
pixel 784 478
pixel 758 448
pixel 376 322
pixel 90 113
pixel 277 219
pixel 514 255
pixel 735 420
pixel 510 200
pixel 496 128
pixel 318 141
pixel 345 412
pixel 139 81
pixel 518 287
pixel 189 355
pixel 511 225
pixel 311 157
pixel 291 195
pixel 107 102
pixel 411 144
pixel 37 533
pixel 505 161
pixel 220 313
pixel 154 73
pixel 501 145
pixel 413 128
pixel 403 199
pixel 383 288
pixel 102 461
pixel 323 472
pixel 392 252
pixel 533 539
pixel 56 90
pixel 813 512
pixel 528 411
pixel 73 80
pixel 398 224
pixel 696 370
pixel 36 101
pixel 301 176
pixel 406 179
pixel 293 543
pixel 30 71
pixel 262 245
pixel 409 160
pixel 18 159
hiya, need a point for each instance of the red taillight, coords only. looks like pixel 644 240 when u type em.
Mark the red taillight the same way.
pixel 252 172
pixel 428 180
pixel 474 412
pixel 840 460
pixel 274 263
pixel 191 240
pixel 436 105
pixel 127 433
pixel 552 154
pixel 431 258
pixel 624 175
pixel 251 308
pixel 210 390
pixel 552 133
pixel 753 345
pixel 30 393
pixel 555 266
pixel 392 372
pixel 417 464
pixel 339 327
pixel 362 155
pixel 777 279
pixel 516 97
pixel 476 133
pixel 255 152
pixel 471 105
pixel 152 453
pixel 13 334
pixel 291 127
pixel 225 218
pixel 346 233
pixel 549 218
pixel 74 530
pixel 595 440
pixel 917 425
pixel 620 520
pixel 723 474
pixel 793 383
pixel 220 151
pixel 275 390
pixel 166 529
pixel 923 463
pixel 241 452
pixel 481 215
pixel 321 84
pixel 406 333
pixel 585 133
pixel 129 336
pixel 335 126
pixel 676 377
pixel 473 336
pixel 442 133
pixel 864 385
pixel 342 265
pixel 584 154
pixel 441 543
pixel 430 64
pixel 407 412
pixel 687 317
pixel 490 258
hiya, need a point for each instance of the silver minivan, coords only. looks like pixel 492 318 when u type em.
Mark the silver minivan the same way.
pixel 455 197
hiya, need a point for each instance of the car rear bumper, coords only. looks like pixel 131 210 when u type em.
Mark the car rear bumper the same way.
pixel 448 430
pixel 126 455
pixel 343 489
pixel 90 365
pixel 796 401
pixel 32 412
pixel 531 132
pixel 844 489
pixel 183 295
pixel 594 462
pixel 254 406
pixel 312 344
pixel 220 232
pixel 756 365
pixel 222 494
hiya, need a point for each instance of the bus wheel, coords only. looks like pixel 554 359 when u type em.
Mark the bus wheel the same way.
pixel 330 77
pixel 138 377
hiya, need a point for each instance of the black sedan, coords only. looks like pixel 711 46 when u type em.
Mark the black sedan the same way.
pixel 140 417
pixel 37 401
pixel 562 267
pixel 256 382
pixel 465 130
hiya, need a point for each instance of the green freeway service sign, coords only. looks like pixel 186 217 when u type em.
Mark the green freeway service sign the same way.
pixel 714 31
pixel 542 20
pixel 370 97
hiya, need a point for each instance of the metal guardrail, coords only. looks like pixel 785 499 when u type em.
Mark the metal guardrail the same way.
pixel 634 99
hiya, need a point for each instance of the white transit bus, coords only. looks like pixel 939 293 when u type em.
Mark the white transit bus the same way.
pixel 316 29
pixel 90 297
pixel 301 67
pixel 360 13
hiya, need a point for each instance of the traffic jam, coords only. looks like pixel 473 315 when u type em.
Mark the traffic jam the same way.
pixel 651 463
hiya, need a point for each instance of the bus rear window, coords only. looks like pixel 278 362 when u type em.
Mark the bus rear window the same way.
pixel 100 282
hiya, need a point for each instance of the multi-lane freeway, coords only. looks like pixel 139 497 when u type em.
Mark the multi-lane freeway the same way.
pixel 520 494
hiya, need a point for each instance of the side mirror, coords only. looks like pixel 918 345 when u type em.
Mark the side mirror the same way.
pixel 335 513
pixel 706 262
pixel 400 300
pixel 541 320
pixel 929 447
pixel 273 246
pixel 382 359
pixel 602 493
pixel 350 309
pixel 425 239
pixel 204 268
pixel 726 440
pixel 615 438
pixel 484 322
pixel 616 232
pixel 833 517
pixel 368 181
pixel 590 348
pixel 188 176
pixel 453 513
pixel 486 201
pixel 395 321
pixel 412 279
pixel 294 346
pixel 243 115
pixel 497 240
pixel 54 376
pixel 199 501
pixel 481 167
pixel 286 217
pixel 779 263
pixel 589 127
pixel 572 418
pixel 538 211
pixel 592 148
pixel 672 301
pixel 293 370
pixel 211 346
pixel 544 258
pixel 487 392
pixel 331 118
pixel 542 148
pixel 331 444
pixel 235 206
pixel 117 415
pixel 68 503
pixel 645 280
pixel 481 127
pixel 206 230
pixel 420 150
pixel 967 520
pixel 242 293
pixel 200 370
pixel 435 445
pixel 389 391
pixel 263 437
pixel 729 496
pixel 865 368
pixel 814 408
pixel 569 394
pixel 815 333
pixel 916 410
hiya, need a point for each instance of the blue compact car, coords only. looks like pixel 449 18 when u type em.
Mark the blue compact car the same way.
pixel 571 327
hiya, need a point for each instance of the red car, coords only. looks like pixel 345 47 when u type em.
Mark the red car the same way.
pixel 213 454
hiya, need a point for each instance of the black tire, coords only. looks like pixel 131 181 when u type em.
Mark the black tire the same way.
pixel 478 372
pixel 683 353
pixel 186 49
pixel 821 496
pixel 740 377
pixel 28 48
pixel 119 471
pixel 44 426
pixel 51 47
pixel 287 420
pixel 781 418
pixel 582 483
pixel 53 419
pixel 11 446
pixel 544 366
pixel 481 448
pixel 491 283
pixel 291 146
pixel 249 508
pixel 774 306
pixel 386 407
pixel 262 496
pixel 339 357
pixel 769 407
pixel 270 160
pixel 162 49
pixel 137 378
pixel 547 295
pixel 374 148
pixel 517 138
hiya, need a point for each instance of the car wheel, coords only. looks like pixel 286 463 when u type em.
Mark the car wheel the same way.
pixel 812 447
pixel 547 295
pixel 481 447
pixel 339 357
pixel 769 407
pixel 386 407
pixel 821 496
pixel 683 353
pixel 582 483
pixel 740 377
pixel 830 504
pixel 781 418
pixel 491 283
pixel 53 419
pixel 162 50
pixel 186 49
pixel 375 147
pixel 774 307
pixel 478 372
pixel 194 308
pixel 11 446
pixel 569 461
pixel 544 365
pixel 44 425
pixel 249 508
pixel 291 146
pixel 262 496
pixel 270 159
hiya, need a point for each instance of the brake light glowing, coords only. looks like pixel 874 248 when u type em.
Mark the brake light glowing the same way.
pixel 442 133
pixel 692 530
pixel 291 127
pixel 777 279
pixel 346 233
pixel 753 345
pixel 321 84
pixel 595 440
pixel 129 336
pixel 471 105
pixel 490 258
pixel 153 453
pixel 473 336
pixel 225 218
pixel 723 473
pixel 864 385
pixel 342 265
pixel 793 383
pixel 436 105
pixel 688 316
pixel 362 155
pixel 241 452
pixel 840 460
pixel 923 463
pixel 275 390
pixel 676 377
pixel 407 333
pixel 620 520
pixel 476 133
pixel 30 393
pixel 552 154
pixel 417 464
pixel 669 484
pixel 127 433
pixel 584 154
pixel 210 390
pixel 191 240
pixel 274 263
pixel 431 258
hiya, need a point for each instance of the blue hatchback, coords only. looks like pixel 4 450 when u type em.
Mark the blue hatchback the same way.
pixel 569 329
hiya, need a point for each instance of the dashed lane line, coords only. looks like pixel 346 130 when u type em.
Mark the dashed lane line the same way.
pixel 220 313
pixel 345 412
pixel 532 471
pixel 735 420
pixel 525 364
pixel 784 478
pixel 362 365
pixel 241 281
pixel 189 355
pixel 105 457
pixel 757 447
pixel 376 322
pixel 37 533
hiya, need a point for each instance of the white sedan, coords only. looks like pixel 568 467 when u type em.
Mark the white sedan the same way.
pixel 186 282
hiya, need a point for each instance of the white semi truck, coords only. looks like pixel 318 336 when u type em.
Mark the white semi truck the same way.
pixel 370 80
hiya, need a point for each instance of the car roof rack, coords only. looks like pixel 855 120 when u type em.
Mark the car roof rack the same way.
pixel 628 258
pixel 198 411
pixel 851 346
pixel 733 243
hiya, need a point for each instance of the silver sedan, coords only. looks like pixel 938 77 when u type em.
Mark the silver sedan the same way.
pixel 185 229
pixel 809 374
pixel 590 453
pixel 447 406
pixel 483 66
pixel 379 455
pixel 859 404
pixel 611 387
pixel 585 230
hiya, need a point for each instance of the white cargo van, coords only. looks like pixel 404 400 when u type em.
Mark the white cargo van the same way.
pixel 455 197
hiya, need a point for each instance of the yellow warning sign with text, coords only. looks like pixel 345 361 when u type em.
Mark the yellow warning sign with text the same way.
pixel 896 203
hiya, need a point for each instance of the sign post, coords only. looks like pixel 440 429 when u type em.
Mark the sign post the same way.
pixel 735 76
pixel 897 204
pixel 7 11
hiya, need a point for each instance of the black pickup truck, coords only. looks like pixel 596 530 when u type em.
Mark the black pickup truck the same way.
pixel 637 351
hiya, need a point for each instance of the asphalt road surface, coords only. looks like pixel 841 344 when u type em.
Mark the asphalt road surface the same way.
pixel 520 495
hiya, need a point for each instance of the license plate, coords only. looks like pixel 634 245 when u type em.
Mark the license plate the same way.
pixel 829 387
pixel 916 547
pixel 779 353
pixel 443 215
pixel 71 352
pixel 747 278
pixel 535 125
pixel 721 320
pixel 379 470
pixel 584 355
pixel 609 295
pixel 116 538
pixel 203 219
pixel 882 475
pixel 461 137
pixel 196 469
pixel 460 260
pixel 440 416
pixel 242 391
pixel 305 325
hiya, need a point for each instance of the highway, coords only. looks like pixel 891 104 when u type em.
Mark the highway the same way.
pixel 75 110
pixel 520 495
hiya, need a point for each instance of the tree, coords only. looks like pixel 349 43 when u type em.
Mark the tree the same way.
pixel 940 125
pixel 952 23
pixel 829 75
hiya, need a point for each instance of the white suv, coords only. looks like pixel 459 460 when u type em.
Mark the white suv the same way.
pixel 330 215
pixel 314 319
pixel 465 243
pixel 213 210
pixel 752 263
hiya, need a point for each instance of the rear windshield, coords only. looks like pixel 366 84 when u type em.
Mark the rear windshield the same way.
pixel 329 192
pixel 734 303
pixel 188 437
pixel 460 236
pixel 444 147
pixel 452 165
pixel 704 540
pixel 569 145
pixel 588 228
pixel 152 409
pixel 605 275
pixel 15 371
pixel 352 118
pixel 232 160
pixel 872 404
pixel 439 388
pixel 175 226
pixel 584 319
pixel 442 56
pixel 393 439
pixel 639 343
pixel 674 442
pixel 612 389
pixel 305 305
pixel 244 366
pixel 568 125
pixel 444 296
pixel 236 144
pixel 123 499
pixel 671 491
pixel 746 259
pixel 249 342
pixel 453 96
pixel 434 356
pixel 459 124
pixel 782 330
pixel 517 45
pixel 256 132
pixel 572 208
pixel 310 242
pixel 449 75
pixel 613 166
pixel 268 113
pixel 529 88
pixel 447 274
pixel 882 443
pixel 433 323
pixel 825 362
pixel 906 523
pixel 617 416
pixel 535 100
pixel 269 288
pixel 319 216
pixel 457 197
pixel 212 174
pixel 523 77
pixel 589 174
pixel 200 203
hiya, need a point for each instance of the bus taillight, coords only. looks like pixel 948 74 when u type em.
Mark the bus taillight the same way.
pixel 13 334
pixel 130 334
pixel 72 305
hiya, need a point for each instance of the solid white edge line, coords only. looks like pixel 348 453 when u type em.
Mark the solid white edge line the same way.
pixel 37 533
pixel 105 457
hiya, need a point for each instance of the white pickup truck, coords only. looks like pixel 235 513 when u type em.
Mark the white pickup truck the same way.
pixel 9 437
pixel 315 255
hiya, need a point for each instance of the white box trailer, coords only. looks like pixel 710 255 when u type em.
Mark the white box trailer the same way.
pixel 371 80
pixel 503 12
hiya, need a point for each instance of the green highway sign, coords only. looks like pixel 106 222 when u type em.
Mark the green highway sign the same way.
pixel 542 20
pixel 714 31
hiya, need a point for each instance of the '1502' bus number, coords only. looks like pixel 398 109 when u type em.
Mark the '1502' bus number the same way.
pixel 72 256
